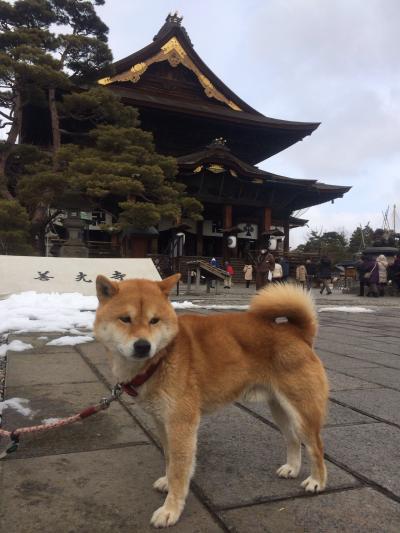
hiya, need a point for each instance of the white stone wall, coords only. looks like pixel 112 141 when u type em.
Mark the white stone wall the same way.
pixel 63 274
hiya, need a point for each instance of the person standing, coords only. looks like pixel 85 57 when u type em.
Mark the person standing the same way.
pixel 230 272
pixel 325 274
pixel 285 268
pixel 396 273
pixel 264 268
pixel 311 273
pixel 372 276
pixel 362 268
pixel 301 275
pixel 277 273
pixel 382 274
pixel 248 274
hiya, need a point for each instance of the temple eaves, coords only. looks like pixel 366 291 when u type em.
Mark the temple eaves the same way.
pixel 172 43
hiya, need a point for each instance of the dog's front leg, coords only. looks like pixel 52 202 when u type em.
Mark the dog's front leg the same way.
pixel 182 441
pixel 162 483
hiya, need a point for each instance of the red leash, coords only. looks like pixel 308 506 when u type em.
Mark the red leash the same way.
pixel 104 403
pixel 138 380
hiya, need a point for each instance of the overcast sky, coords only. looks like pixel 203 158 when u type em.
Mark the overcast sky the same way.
pixel 335 62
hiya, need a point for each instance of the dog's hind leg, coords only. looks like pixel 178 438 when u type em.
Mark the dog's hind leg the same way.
pixel 161 484
pixel 182 442
pixel 317 480
pixel 287 420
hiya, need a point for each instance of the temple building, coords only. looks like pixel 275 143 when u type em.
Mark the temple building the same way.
pixel 218 140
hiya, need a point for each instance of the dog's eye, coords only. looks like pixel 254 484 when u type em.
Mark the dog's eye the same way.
pixel 125 319
pixel 154 320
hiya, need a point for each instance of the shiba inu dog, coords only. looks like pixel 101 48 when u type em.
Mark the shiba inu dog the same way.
pixel 193 364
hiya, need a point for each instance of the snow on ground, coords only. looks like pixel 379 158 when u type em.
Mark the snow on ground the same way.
pixel 33 312
pixel 14 346
pixel 18 404
pixel 190 305
pixel 70 340
pixel 73 313
pixel 346 309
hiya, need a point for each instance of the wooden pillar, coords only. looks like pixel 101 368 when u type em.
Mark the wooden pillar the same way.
pixel 264 225
pixel 267 219
pixel 227 223
pixel 199 239
pixel 138 246
pixel 227 216
pixel 286 241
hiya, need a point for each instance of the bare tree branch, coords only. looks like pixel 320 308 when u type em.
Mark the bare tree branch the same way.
pixel 8 117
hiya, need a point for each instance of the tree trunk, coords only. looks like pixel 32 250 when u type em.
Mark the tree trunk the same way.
pixel 38 236
pixel 8 146
pixel 42 241
pixel 38 228
pixel 55 125
pixel 40 216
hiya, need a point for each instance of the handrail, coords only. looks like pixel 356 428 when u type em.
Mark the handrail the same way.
pixel 216 272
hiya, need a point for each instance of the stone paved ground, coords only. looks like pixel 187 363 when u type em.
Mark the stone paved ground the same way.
pixel 96 477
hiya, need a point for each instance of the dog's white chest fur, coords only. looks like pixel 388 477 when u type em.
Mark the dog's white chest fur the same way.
pixel 256 393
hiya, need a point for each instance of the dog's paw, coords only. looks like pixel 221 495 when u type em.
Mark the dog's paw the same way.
pixel 288 471
pixel 161 484
pixel 165 517
pixel 312 485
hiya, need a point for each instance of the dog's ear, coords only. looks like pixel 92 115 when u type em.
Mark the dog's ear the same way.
pixel 167 284
pixel 105 288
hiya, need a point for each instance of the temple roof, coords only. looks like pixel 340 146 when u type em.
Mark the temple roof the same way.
pixel 217 157
pixel 190 88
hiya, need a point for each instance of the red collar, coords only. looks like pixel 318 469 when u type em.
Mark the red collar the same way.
pixel 139 379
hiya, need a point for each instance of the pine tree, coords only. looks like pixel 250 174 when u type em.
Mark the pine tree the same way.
pixel 14 228
pixel 37 66
pixel 331 243
pixel 361 238
pixel 82 51
pixel 97 147
pixel 114 165
pixel 27 67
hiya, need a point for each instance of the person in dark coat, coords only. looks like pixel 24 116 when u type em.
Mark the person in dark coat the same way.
pixel 265 265
pixel 396 272
pixel 325 273
pixel 372 275
pixel 311 269
pixel 285 268
pixel 362 268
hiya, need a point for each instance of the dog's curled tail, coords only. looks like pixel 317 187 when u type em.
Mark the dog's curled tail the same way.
pixel 290 301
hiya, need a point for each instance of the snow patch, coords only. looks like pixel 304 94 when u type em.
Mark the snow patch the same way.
pixel 18 404
pixel 346 309
pixel 190 305
pixel 31 312
pixel 14 346
pixel 184 305
pixel 70 341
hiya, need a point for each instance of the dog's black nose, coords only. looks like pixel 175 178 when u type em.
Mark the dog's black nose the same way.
pixel 142 348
